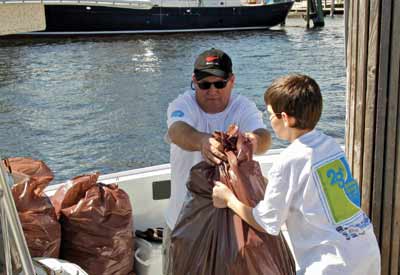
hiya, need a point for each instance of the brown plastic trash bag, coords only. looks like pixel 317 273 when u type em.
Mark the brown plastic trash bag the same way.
pixel 211 241
pixel 97 226
pixel 38 219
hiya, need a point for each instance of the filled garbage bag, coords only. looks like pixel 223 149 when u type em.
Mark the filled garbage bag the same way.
pixel 37 215
pixel 211 241
pixel 97 226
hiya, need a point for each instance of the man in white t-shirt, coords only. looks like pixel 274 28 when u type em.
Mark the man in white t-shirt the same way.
pixel 192 118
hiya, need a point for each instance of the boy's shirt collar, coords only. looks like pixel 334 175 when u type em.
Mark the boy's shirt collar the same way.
pixel 307 137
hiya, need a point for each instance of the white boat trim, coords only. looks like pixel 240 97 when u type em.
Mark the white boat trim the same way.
pixel 79 2
pixel 159 170
pixel 124 2
pixel 138 183
pixel 141 4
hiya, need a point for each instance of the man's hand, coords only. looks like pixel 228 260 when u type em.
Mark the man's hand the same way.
pixel 253 138
pixel 260 139
pixel 221 195
pixel 211 150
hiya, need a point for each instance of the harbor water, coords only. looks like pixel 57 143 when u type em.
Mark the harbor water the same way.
pixel 99 103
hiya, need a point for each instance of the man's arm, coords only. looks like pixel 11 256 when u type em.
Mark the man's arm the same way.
pixel 185 136
pixel 261 140
pixel 189 139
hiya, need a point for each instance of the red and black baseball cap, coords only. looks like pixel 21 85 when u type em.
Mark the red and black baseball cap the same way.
pixel 213 62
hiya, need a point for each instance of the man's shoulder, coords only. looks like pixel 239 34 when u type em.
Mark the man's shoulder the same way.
pixel 186 96
pixel 241 99
pixel 185 101
pixel 182 108
pixel 241 102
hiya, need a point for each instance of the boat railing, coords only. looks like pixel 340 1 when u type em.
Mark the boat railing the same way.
pixel 135 3
pixel 253 2
pixel 12 233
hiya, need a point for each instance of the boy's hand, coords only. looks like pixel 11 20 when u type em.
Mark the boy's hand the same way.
pixel 221 195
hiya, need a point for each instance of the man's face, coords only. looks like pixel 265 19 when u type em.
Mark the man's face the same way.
pixel 210 98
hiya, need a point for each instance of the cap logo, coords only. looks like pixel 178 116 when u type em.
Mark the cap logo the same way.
pixel 211 59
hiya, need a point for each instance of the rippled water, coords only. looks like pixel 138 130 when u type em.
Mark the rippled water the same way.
pixel 99 104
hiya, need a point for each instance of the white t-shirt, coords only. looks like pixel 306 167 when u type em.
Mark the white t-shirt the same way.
pixel 240 111
pixel 311 189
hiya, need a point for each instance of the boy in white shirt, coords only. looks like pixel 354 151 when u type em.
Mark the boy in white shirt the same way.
pixel 310 188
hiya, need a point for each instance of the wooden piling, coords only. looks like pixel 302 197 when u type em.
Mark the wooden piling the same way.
pixel 332 13
pixel 308 13
pixel 373 117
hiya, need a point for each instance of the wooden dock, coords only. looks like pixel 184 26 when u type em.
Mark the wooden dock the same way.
pixel 299 8
pixel 373 117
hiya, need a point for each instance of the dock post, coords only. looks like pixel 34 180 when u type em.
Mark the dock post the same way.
pixel 373 117
pixel 318 18
pixel 332 8
pixel 308 13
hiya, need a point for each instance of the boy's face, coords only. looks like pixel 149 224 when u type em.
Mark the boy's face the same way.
pixel 283 127
pixel 278 124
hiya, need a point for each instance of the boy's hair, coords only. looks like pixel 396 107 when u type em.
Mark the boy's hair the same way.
pixel 297 95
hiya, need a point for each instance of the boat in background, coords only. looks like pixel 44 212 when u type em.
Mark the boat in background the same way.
pixel 85 17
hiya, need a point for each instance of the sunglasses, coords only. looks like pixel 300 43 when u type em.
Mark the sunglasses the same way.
pixel 205 85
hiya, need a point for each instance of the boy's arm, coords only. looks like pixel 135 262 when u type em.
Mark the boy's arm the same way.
pixel 223 197
pixel 245 212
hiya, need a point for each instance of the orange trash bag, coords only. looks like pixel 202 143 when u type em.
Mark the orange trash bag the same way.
pixel 37 215
pixel 97 225
pixel 211 241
